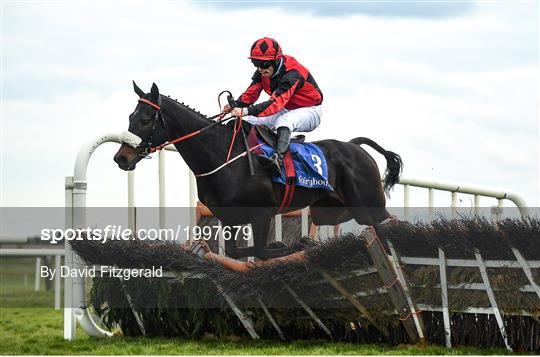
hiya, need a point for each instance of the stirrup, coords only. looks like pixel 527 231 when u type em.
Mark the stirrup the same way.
pixel 275 164
pixel 271 163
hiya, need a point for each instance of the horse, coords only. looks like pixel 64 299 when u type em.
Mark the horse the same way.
pixel 237 197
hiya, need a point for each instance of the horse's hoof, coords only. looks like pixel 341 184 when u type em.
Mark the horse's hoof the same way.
pixel 197 248
pixel 304 243
pixel 277 245
pixel 392 221
pixel 274 253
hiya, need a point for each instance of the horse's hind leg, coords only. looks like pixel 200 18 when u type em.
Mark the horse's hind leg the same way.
pixel 365 201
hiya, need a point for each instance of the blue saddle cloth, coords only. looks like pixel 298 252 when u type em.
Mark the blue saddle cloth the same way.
pixel 309 163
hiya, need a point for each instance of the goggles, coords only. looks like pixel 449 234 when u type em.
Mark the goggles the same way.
pixel 262 64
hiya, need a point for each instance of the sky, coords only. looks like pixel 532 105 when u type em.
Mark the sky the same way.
pixel 450 86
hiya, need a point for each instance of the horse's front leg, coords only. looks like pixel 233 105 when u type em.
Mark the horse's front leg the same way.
pixel 231 250
pixel 260 228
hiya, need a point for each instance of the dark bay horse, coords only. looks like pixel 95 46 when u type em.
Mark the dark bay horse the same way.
pixel 234 196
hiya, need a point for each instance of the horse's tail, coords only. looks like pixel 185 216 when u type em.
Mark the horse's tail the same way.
pixel 394 164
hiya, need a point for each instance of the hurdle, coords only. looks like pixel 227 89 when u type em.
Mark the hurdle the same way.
pixel 75 197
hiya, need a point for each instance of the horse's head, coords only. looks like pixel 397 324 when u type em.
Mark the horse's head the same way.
pixel 146 129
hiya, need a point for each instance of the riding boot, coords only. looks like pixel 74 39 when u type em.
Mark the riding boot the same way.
pixel 282 145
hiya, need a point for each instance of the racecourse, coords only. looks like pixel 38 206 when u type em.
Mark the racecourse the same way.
pixel 30 326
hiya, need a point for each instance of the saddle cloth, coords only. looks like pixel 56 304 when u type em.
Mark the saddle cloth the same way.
pixel 309 162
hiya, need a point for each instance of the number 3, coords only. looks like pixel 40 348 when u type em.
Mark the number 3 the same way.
pixel 317 162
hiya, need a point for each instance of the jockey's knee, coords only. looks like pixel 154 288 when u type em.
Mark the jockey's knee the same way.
pixel 301 119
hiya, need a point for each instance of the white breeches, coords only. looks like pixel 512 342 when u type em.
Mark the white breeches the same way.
pixel 300 119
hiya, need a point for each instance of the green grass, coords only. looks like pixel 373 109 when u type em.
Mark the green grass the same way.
pixel 30 326
pixel 38 331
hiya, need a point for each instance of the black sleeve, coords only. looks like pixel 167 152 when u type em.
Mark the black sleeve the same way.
pixel 290 83
pixel 252 93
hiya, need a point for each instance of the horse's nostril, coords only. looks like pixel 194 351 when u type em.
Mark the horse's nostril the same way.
pixel 121 160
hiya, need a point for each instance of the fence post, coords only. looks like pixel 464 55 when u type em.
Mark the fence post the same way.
pixel 69 311
pixel 57 282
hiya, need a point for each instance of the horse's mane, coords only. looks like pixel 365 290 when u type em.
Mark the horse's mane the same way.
pixel 185 106
pixel 230 124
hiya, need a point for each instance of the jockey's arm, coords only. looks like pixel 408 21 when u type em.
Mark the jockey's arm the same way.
pixel 250 95
pixel 289 84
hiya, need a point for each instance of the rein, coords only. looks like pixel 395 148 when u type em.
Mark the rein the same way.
pixel 187 136
pixel 237 128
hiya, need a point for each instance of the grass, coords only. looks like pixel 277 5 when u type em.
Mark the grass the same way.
pixel 30 326
pixel 39 331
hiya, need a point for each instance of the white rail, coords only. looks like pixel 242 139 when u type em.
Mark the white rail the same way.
pixel 13 239
pixel 76 190
pixel 455 188
pixel 39 252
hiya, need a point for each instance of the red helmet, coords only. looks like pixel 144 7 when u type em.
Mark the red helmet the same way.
pixel 265 48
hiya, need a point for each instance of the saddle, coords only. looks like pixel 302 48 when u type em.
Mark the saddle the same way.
pixel 263 133
pixel 270 137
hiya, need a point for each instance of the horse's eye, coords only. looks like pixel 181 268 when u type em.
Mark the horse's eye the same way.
pixel 132 115
pixel 146 121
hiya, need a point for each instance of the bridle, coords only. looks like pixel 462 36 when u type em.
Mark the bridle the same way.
pixel 149 149
pixel 147 145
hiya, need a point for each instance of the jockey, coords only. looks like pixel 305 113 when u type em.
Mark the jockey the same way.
pixel 295 98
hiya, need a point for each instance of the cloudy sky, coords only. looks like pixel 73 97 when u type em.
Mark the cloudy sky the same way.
pixel 450 86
